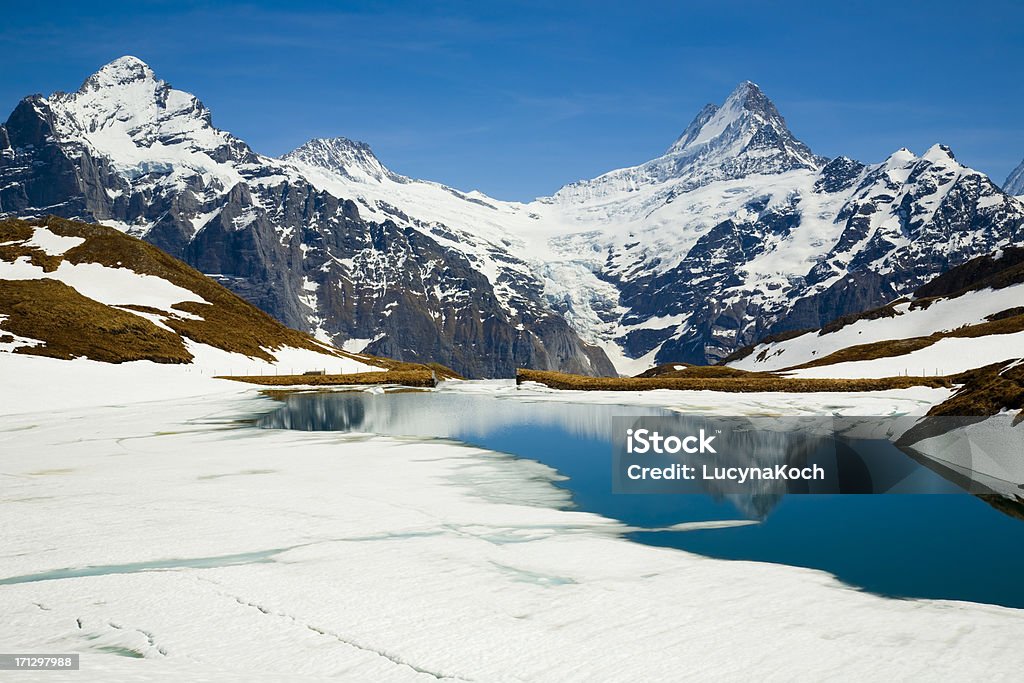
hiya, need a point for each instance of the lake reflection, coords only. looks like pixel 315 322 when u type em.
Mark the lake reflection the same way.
pixel 462 417
pixel 936 546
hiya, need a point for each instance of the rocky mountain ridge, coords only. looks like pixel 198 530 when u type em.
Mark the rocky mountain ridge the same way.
pixel 130 151
pixel 737 232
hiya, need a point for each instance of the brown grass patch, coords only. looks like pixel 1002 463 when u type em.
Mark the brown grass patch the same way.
pixel 73 325
pixel 1008 313
pixel 882 349
pixel 420 377
pixel 749 382
pixel 668 370
pixel 228 321
pixel 986 391
pixel 19 231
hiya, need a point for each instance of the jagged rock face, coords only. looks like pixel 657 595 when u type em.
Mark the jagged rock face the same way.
pixel 899 224
pixel 130 151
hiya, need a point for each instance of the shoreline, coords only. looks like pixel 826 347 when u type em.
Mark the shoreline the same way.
pixel 745 383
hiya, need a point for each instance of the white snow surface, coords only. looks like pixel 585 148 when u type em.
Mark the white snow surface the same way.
pixel 52 243
pixel 156 525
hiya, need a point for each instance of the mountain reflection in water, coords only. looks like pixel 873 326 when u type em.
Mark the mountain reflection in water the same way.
pixel 932 546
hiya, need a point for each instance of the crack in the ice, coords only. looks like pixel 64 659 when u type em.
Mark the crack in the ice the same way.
pixel 394 659
pixel 213 562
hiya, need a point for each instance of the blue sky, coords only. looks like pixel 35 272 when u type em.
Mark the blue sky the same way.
pixel 517 99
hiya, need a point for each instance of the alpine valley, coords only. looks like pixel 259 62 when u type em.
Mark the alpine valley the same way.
pixel 739 231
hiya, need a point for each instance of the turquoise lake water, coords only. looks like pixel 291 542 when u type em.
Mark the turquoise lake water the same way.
pixel 952 546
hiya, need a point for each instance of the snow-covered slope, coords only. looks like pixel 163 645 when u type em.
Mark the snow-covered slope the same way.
pixel 970 317
pixel 71 290
pixel 485 231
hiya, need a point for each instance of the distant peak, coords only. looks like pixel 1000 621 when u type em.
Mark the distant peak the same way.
pixel 939 153
pixel 351 158
pixel 1015 181
pixel 122 71
pixel 900 156
pixel 747 122
pixel 744 91
pixel 330 149
pixel 338 143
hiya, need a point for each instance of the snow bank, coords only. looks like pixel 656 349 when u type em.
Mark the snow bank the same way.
pixel 52 243
pixel 37 383
pixel 912 401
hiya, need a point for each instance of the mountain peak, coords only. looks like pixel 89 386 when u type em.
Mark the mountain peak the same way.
pixel 743 136
pixel 746 122
pixel 351 158
pixel 124 112
pixel 122 71
pixel 900 157
pixel 939 153
pixel 748 95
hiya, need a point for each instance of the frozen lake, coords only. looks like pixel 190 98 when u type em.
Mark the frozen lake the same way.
pixel 922 546
pixel 153 529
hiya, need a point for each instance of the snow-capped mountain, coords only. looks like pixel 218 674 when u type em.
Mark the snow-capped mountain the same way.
pixel 713 248
pixel 1015 181
pixel 745 136
pixel 130 151
pixel 738 231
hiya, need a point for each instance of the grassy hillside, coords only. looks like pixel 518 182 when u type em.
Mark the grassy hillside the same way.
pixel 66 324
pixel 225 322
pixel 987 391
